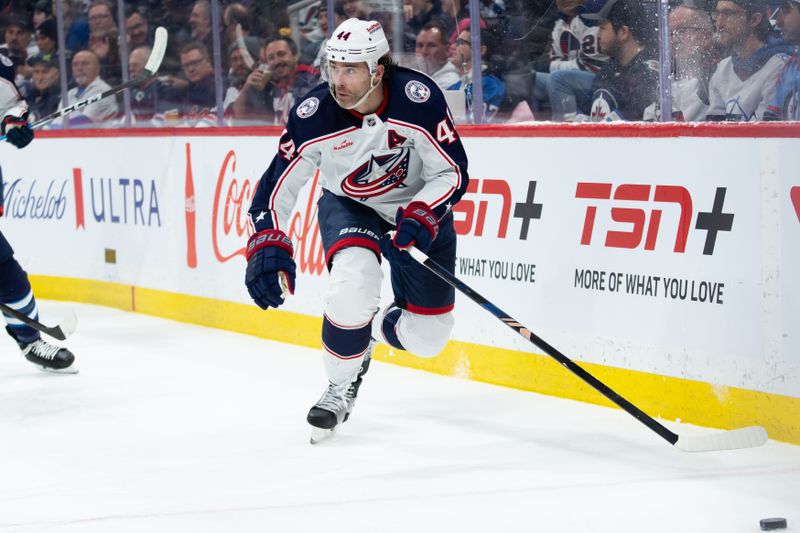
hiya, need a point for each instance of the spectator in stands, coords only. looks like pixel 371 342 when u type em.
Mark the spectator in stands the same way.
pixel 423 12
pixel 195 100
pixel 147 97
pixel 137 30
pixel 269 97
pixel 432 51
pixel 628 84
pixel 47 37
pixel 45 95
pixel 575 59
pixel 785 104
pixel 17 47
pixel 788 21
pixel 312 51
pixel 42 10
pixel 695 58
pixel 743 85
pixel 200 23
pixel 77 24
pixel 101 17
pixel 239 69
pixel 234 15
pixel 354 9
pixel 86 73
pixel 494 90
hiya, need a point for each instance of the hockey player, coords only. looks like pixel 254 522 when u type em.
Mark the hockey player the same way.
pixel 390 158
pixel 15 289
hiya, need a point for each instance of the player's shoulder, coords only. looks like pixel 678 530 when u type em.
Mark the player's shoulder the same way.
pixel 315 115
pixel 414 91
pixel 414 96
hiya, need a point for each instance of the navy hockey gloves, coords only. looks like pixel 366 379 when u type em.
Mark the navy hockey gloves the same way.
pixel 17 131
pixel 417 226
pixel 268 253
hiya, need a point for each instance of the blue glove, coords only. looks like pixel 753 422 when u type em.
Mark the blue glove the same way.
pixel 268 253
pixel 17 131
pixel 417 226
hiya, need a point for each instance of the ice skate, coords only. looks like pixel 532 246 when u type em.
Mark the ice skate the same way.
pixel 336 405
pixel 48 357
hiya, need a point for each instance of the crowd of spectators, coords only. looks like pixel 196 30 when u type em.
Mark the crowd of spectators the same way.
pixel 560 60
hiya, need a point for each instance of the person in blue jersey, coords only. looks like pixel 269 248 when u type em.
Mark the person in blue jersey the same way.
pixel 494 90
pixel 390 159
pixel 15 289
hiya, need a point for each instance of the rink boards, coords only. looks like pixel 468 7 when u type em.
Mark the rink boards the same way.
pixel 664 258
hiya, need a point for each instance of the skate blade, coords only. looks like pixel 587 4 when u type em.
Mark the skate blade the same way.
pixel 69 370
pixel 318 434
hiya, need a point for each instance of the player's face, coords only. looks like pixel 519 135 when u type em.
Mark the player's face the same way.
pixel 351 81
pixel 789 22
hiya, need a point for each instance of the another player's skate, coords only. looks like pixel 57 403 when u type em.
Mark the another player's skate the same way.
pixel 336 405
pixel 48 357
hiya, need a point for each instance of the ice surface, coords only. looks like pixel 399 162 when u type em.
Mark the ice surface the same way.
pixel 172 428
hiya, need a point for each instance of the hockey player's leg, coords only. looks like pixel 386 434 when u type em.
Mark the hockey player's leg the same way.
pixel 15 292
pixel 350 303
pixel 422 335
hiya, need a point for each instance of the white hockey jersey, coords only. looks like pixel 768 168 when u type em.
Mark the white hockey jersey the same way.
pixel 406 150
pixel 575 46
pixel 736 99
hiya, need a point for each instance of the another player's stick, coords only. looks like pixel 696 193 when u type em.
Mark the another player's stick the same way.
pixel 63 330
pixel 747 437
pixel 150 69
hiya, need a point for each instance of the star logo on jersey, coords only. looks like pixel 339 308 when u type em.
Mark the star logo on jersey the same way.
pixel 308 107
pixel 417 91
pixel 379 175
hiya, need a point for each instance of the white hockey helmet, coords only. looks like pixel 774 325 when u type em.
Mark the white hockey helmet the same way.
pixel 358 40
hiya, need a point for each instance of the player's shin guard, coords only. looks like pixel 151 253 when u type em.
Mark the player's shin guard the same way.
pixel 15 292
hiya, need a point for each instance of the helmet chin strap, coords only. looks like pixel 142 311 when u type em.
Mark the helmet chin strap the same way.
pixel 360 101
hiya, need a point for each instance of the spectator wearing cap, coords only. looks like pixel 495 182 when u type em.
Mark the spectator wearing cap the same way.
pixel 628 85
pixel 694 56
pixel 743 85
pixel 432 51
pixel 288 80
pixel 47 37
pixel 45 94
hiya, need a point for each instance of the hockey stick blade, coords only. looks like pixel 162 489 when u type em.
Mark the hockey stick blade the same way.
pixel 157 54
pixel 63 330
pixel 748 437
pixel 246 57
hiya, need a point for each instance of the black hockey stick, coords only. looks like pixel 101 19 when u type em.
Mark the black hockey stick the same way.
pixel 747 437
pixel 150 69
pixel 66 328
